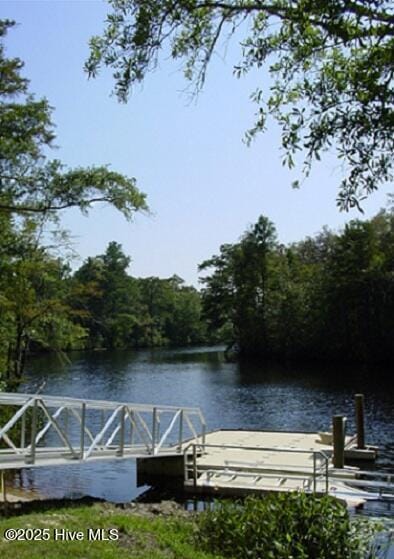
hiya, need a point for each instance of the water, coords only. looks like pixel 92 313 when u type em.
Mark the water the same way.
pixel 231 395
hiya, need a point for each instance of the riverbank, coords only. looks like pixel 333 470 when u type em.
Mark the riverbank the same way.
pixel 95 529
pixel 98 530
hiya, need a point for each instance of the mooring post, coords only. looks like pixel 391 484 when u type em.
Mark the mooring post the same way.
pixel 360 429
pixel 338 433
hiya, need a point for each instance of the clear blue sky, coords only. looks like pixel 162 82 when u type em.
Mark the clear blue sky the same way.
pixel 204 186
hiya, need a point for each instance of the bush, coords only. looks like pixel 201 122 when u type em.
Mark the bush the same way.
pixel 279 526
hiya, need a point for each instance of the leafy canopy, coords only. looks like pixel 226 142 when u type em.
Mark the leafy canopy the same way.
pixel 29 182
pixel 331 64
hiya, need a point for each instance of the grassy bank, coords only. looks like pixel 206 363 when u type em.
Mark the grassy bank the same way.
pixel 142 534
pixel 276 527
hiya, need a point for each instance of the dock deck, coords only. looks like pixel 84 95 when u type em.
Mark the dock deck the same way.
pixel 238 462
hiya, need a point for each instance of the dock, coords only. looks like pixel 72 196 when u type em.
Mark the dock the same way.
pixel 171 443
pixel 239 462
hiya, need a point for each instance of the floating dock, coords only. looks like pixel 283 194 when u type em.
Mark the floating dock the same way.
pixel 240 462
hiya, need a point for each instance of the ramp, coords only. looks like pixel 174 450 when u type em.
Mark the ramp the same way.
pixel 43 430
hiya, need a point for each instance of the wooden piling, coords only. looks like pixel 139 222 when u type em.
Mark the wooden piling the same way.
pixel 338 431
pixel 360 428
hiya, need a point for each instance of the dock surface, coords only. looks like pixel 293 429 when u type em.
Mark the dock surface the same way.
pixel 238 462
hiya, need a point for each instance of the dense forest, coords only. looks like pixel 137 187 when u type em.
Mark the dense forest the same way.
pixel 329 297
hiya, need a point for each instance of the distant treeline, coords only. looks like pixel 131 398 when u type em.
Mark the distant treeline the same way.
pixel 117 310
pixel 46 307
pixel 329 297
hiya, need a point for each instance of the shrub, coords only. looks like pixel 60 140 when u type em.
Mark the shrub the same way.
pixel 279 526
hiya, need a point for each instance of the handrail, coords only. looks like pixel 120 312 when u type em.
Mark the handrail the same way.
pixel 11 398
pixel 317 472
pixel 99 428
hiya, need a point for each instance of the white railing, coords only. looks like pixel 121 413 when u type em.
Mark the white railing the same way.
pixel 314 476
pixel 379 484
pixel 42 429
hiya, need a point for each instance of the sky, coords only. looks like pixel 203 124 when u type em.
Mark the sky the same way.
pixel 204 186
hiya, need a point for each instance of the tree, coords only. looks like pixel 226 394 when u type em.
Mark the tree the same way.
pixel 239 289
pixel 30 183
pixel 107 299
pixel 33 304
pixel 359 290
pixel 331 63
pixel 34 286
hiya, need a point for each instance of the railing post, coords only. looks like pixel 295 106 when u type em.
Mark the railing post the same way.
pixel 338 432
pixel 203 435
pixel 121 443
pixel 326 459
pixel 185 466
pixel 32 457
pixel 131 427
pixel 3 487
pixel 23 431
pixel 195 465
pixel 154 429
pixel 180 438
pixel 359 406
pixel 66 418
pixel 314 472
pixel 83 421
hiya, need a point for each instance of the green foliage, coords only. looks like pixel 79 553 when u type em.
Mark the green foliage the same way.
pixel 33 301
pixel 29 182
pixel 281 526
pixel 34 285
pixel 141 536
pixel 238 291
pixel 120 311
pixel 329 297
pixel 330 62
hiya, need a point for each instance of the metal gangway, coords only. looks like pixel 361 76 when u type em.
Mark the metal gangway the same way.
pixel 43 430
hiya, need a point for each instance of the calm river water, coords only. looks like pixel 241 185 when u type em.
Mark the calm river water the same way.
pixel 231 395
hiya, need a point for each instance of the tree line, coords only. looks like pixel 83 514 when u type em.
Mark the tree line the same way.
pixel 46 307
pixel 327 297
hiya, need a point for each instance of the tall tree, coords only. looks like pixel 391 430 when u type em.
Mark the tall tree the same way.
pixel 239 289
pixel 331 63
